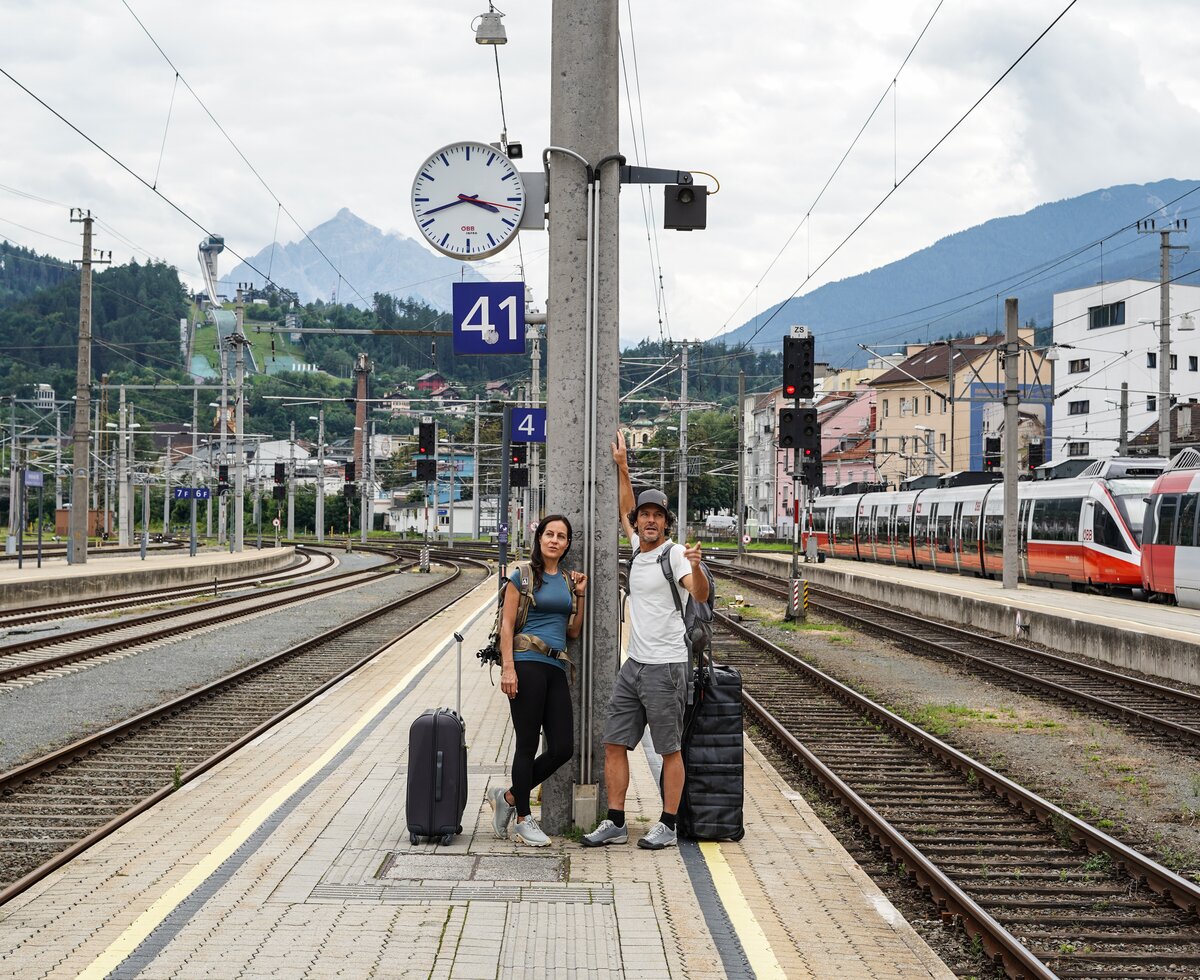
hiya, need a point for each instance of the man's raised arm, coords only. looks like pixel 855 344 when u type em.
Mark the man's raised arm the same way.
pixel 625 498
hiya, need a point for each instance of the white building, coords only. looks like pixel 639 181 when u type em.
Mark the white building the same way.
pixel 1107 336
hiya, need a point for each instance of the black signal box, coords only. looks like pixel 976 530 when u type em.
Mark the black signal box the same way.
pixel 427 469
pixel 518 477
pixel 799 366
pixel 799 429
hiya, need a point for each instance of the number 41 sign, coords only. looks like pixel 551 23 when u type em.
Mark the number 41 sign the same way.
pixel 489 317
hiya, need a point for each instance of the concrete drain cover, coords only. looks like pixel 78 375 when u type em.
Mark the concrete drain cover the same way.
pixel 464 867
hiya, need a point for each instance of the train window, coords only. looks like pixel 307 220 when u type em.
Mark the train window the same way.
pixel 993 534
pixel 1105 530
pixel 1056 520
pixel 820 519
pixel 970 531
pixel 900 529
pixel 843 529
pixel 921 528
pixel 1185 527
pixel 944 531
pixel 1165 525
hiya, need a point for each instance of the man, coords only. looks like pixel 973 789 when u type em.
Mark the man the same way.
pixel 653 683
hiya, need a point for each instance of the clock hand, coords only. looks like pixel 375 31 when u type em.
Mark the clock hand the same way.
pixel 442 207
pixel 487 206
pixel 492 204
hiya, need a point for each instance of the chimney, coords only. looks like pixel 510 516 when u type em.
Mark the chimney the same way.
pixel 1183 422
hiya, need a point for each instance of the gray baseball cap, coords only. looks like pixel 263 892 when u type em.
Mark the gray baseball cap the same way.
pixel 655 497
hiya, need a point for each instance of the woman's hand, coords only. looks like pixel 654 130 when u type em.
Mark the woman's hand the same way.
pixel 508 681
pixel 579 581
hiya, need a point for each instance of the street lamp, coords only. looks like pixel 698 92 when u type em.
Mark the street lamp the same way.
pixel 319 516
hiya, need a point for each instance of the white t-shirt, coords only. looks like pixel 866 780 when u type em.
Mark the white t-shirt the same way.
pixel 655 627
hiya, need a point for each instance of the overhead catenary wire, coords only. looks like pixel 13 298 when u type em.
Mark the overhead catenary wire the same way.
pixel 915 167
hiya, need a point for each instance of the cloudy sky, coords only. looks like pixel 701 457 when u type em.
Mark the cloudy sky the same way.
pixel 335 105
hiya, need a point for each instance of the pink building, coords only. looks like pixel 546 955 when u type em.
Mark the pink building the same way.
pixel 847 425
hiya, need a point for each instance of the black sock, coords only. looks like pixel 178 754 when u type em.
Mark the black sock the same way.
pixel 617 817
pixel 668 819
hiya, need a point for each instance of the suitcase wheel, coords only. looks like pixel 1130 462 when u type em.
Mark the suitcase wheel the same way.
pixel 413 839
pixel 740 834
pixel 447 839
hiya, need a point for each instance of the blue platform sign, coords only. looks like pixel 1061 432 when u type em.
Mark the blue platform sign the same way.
pixel 528 425
pixel 489 317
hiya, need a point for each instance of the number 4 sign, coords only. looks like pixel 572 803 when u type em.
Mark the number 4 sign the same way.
pixel 489 317
pixel 528 425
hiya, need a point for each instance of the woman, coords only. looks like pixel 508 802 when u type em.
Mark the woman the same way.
pixel 533 674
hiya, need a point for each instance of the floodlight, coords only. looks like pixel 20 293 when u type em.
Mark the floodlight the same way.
pixel 488 29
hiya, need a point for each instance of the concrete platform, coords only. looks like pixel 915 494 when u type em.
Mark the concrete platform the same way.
pixel 1160 640
pixel 292 859
pixel 102 576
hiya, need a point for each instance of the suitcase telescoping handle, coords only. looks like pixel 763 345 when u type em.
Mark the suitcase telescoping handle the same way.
pixel 458 684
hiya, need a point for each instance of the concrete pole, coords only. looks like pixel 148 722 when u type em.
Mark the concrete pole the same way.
pixel 534 513
pixel 1012 362
pixel 223 427
pixel 1164 348
pixel 192 481
pixel 581 481
pixel 239 419
pixel 58 499
pixel 950 368
pixel 80 455
pixel 1123 440
pixel 320 502
pixel 365 477
pixel 167 489
pixel 123 501
pixel 681 532
pixel 291 525
pixel 475 476
pixel 741 464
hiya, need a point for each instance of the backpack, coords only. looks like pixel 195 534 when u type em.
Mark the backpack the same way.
pixel 490 654
pixel 697 616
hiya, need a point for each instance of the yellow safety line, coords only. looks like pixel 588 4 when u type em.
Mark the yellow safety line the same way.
pixel 754 941
pixel 149 920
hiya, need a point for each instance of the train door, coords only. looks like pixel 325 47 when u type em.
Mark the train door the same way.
pixel 1023 538
pixel 923 514
pixel 956 537
pixel 1157 550
pixel 873 530
pixel 890 528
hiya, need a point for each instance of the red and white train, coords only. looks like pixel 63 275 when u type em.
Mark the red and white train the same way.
pixel 1083 532
pixel 1171 539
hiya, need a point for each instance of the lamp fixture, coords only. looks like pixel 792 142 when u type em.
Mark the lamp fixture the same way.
pixel 488 29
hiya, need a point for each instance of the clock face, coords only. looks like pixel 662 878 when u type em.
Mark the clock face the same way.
pixel 468 200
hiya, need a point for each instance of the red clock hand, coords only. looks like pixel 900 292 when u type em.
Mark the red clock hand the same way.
pixel 493 204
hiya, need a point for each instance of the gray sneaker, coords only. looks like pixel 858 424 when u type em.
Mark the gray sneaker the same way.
pixel 607 833
pixel 528 832
pixel 658 837
pixel 502 812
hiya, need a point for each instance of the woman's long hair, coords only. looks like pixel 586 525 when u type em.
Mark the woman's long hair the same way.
pixel 536 560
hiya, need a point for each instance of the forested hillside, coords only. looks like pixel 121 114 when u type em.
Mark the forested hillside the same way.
pixel 23 272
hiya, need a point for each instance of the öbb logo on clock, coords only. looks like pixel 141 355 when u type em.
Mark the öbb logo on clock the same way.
pixel 469 229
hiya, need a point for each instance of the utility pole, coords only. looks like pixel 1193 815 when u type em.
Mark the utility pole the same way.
pixel 582 402
pixel 683 445
pixel 80 456
pixel 1012 355
pixel 223 425
pixel 124 504
pixel 167 490
pixel 534 511
pixel 291 527
pixel 475 475
pixel 320 501
pixel 368 475
pixel 239 395
pixel 192 481
pixel 1123 441
pixel 741 464
pixel 1150 227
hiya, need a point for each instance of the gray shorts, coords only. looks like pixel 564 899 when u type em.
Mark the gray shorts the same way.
pixel 654 694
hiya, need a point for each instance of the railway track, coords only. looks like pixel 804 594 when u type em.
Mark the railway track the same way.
pixel 19 661
pixel 45 612
pixel 59 805
pixel 1172 715
pixel 1045 893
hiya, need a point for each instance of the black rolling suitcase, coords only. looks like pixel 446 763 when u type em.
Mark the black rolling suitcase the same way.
pixel 437 775
pixel 714 781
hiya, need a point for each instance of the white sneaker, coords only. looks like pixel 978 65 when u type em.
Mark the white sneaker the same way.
pixel 528 832
pixel 502 812
pixel 658 837
pixel 606 833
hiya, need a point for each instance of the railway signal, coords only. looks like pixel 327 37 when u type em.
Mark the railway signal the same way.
pixel 799 366
pixel 991 453
pixel 425 439
pixel 280 471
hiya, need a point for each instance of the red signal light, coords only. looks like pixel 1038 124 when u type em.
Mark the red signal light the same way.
pixel 789 390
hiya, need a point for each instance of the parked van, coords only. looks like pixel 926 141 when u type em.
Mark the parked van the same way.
pixel 720 524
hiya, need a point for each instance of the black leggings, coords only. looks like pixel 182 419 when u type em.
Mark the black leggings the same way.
pixel 543 703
